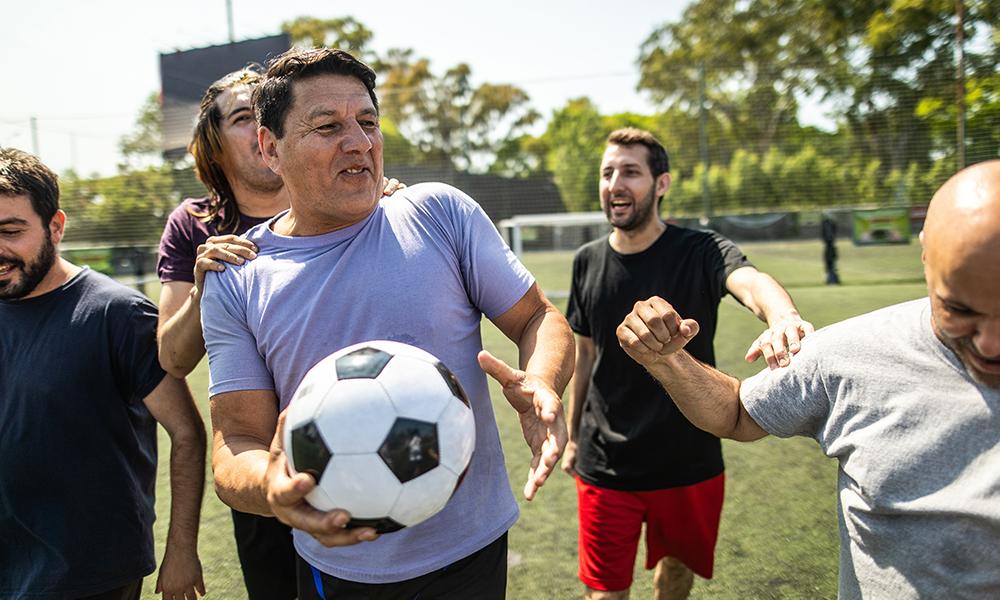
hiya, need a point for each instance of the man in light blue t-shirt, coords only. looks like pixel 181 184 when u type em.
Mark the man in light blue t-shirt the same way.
pixel 906 398
pixel 341 267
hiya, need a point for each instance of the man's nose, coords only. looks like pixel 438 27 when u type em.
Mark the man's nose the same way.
pixel 356 139
pixel 987 338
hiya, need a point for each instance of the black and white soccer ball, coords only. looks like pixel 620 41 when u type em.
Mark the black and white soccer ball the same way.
pixel 385 429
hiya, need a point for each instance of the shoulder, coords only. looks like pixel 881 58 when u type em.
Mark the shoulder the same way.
pixel 188 209
pixel 593 248
pixel 100 291
pixel 434 194
pixel 449 208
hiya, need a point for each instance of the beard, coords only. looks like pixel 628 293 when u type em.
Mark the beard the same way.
pixel 34 271
pixel 642 212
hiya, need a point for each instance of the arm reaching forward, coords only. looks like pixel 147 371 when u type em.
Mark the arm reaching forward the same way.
pixel 654 335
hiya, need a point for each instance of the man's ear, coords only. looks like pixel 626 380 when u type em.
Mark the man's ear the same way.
pixel 268 144
pixel 662 184
pixel 57 226
pixel 923 247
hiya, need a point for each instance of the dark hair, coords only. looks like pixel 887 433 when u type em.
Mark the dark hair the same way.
pixel 272 99
pixel 23 174
pixel 206 148
pixel 657 158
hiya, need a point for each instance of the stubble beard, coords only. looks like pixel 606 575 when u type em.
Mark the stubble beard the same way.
pixel 34 271
pixel 643 212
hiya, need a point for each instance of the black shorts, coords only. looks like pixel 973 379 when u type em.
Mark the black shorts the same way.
pixel 128 591
pixel 481 575
pixel 267 557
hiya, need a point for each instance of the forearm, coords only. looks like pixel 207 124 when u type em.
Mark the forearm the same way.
pixel 580 385
pixel 181 344
pixel 770 302
pixel 545 350
pixel 708 398
pixel 187 484
pixel 239 469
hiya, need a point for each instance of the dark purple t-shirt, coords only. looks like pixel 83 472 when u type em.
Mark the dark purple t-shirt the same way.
pixel 182 235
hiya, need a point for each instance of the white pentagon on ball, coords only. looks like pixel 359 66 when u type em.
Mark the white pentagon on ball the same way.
pixel 386 430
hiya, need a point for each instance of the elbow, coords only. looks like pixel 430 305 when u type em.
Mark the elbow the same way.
pixel 170 364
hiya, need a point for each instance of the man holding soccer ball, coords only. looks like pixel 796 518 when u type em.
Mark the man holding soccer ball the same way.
pixel 338 268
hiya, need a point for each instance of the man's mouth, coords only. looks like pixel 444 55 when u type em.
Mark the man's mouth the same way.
pixel 6 268
pixel 983 364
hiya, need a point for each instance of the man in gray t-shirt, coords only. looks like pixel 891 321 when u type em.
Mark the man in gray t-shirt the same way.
pixel 907 399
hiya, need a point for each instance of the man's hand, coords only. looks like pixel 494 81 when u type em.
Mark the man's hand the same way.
pixel 540 411
pixel 180 576
pixel 654 330
pixel 286 496
pixel 391 186
pixel 218 250
pixel 779 342
pixel 569 459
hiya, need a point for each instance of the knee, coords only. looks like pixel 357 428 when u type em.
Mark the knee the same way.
pixel 592 594
pixel 671 569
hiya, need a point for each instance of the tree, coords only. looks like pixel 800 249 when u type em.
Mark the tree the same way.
pixel 450 120
pixel 346 33
pixel 143 147
pixel 753 59
pixel 575 138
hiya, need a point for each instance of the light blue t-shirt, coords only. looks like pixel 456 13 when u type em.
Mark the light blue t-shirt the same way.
pixel 422 269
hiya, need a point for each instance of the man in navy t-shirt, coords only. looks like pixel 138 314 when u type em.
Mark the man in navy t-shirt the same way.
pixel 82 393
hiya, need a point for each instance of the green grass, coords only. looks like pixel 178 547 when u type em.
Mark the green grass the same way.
pixel 778 537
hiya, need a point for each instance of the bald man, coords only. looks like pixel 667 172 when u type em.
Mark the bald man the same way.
pixel 906 398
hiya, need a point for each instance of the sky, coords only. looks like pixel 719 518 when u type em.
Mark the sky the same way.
pixel 84 69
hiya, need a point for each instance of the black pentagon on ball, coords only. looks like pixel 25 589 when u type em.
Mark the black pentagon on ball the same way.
pixel 452 381
pixel 410 449
pixel 309 451
pixel 363 363
pixel 383 525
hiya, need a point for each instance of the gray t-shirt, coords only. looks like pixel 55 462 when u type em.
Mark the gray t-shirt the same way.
pixel 918 442
pixel 422 269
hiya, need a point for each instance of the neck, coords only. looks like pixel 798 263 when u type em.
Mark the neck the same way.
pixel 62 271
pixel 295 224
pixel 636 240
pixel 260 203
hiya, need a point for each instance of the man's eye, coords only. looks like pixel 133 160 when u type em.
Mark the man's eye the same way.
pixel 958 310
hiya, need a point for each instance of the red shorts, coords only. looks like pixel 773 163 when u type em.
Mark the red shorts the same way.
pixel 681 522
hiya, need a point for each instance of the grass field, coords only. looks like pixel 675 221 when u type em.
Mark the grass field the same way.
pixel 779 526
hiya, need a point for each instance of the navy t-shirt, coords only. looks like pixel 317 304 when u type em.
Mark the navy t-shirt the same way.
pixel 631 435
pixel 77 443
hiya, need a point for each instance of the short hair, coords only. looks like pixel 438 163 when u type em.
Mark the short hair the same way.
pixel 206 148
pixel 23 174
pixel 272 99
pixel 659 162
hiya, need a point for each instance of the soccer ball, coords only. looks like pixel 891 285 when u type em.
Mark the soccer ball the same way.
pixel 385 429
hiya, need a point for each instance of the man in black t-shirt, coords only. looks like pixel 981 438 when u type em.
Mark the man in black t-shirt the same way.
pixel 635 456
pixel 82 393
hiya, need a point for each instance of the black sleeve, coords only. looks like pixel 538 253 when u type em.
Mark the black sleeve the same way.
pixel 135 357
pixel 575 314
pixel 727 257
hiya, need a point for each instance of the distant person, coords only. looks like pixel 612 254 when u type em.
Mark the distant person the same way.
pixel 636 458
pixel 200 235
pixel 828 231
pixel 906 398
pixel 342 266
pixel 82 394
